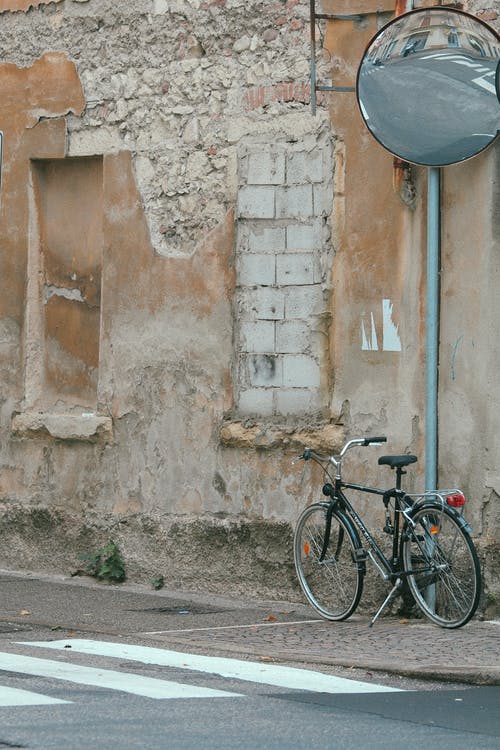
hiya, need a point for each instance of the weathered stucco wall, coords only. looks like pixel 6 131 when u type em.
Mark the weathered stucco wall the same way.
pixel 189 290
pixel 140 437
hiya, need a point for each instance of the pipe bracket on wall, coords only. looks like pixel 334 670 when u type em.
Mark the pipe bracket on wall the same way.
pixel 314 17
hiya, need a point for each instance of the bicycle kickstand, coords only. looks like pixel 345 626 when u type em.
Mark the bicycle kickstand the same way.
pixel 391 595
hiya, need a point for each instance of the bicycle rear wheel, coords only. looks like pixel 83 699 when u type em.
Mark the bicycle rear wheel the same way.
pixel 333 585
pixel 443 566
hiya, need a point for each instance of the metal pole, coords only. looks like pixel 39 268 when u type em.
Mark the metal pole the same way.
pixel 312 19
pixel 432 333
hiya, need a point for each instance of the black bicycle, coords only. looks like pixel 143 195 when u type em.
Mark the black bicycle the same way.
pixel 431 546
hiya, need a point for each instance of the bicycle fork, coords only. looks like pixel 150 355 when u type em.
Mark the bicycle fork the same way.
pixel 326 540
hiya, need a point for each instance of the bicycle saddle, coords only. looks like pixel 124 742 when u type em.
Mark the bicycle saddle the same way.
pixel 397 462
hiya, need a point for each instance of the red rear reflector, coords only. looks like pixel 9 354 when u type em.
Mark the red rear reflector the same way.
pixel 456 501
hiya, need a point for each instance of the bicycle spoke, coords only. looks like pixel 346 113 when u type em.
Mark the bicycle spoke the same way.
pixel 442 566
pixel 333 585
pixel 328 568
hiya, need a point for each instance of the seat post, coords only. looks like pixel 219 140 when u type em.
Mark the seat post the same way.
pixel 399 473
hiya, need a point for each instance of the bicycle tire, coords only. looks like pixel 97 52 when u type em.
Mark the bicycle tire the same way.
pixel 334 585
pixel 442 565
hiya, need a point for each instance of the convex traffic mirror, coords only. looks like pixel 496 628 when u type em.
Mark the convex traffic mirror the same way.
pixel 427 88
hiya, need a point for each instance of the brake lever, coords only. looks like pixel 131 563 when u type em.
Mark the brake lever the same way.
pixel 303 456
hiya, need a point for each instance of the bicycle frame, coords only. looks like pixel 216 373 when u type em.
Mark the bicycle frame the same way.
pixel 387 568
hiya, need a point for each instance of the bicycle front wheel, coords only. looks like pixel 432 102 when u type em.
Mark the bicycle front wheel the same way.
pixel 443 568
pixel 333 585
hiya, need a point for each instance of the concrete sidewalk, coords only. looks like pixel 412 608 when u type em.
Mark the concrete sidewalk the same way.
pixel 282 631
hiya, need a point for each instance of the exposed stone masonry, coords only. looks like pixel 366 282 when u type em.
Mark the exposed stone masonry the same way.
pixel 169 81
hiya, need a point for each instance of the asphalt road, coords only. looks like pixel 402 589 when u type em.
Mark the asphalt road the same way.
pixel 258 709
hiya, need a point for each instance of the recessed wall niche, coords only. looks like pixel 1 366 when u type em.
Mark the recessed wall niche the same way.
pixel 64 284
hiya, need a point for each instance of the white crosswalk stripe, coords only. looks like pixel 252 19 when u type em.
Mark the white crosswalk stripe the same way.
pixel 267 674
pixel 148 687
pixel 289 678
pixel 17 697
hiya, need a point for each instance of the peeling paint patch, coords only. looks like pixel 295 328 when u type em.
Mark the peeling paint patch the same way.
pixel 50 291
pixel 370 342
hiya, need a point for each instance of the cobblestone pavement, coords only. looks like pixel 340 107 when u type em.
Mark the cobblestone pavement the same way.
pixel 411 648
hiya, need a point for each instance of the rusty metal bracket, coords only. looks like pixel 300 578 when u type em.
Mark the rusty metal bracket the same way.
pixel 322 17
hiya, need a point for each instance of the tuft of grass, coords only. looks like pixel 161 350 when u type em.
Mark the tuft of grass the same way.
pixel 106 564
pixel 157 581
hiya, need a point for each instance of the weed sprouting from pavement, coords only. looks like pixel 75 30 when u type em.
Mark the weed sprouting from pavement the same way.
pixel 106 564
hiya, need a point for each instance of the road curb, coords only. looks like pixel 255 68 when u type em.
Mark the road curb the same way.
pixel 470 675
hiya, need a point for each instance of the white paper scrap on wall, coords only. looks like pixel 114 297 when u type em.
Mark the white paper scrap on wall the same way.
pixel 391 341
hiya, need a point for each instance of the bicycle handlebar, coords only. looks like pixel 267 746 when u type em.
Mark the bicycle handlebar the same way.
pixel 308 453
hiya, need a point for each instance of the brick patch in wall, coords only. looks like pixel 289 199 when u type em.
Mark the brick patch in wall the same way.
pixel 261 96
pixel 488 15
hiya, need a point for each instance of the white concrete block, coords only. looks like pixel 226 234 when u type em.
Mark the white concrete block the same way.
pixel 302 302
pixel 256 401
pixel 267 303
pixel 295 269
pixel 292 336
pixel 266 168
pixel 304 236
pixel 304 166
pixel 296 400
pixel 300 371
pixel 294 201
pixel 266 239
pixel 256 268
pixel 323 200
pixel 256 202
pixel 257 336
pixel 265 370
